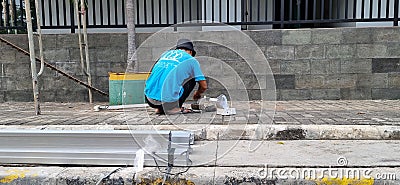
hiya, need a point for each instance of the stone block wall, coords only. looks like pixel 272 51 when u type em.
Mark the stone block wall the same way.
pixel 341 63
pixel 107 53
pixel 330 63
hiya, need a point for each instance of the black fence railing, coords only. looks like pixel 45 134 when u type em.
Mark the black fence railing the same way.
pixel 59 14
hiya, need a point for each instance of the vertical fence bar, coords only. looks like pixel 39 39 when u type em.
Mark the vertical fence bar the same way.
pixel 212 10
pixel 145 11
pixel 137 12
pixel 362 8
pixel 115 12
pixel 57 12
pixel 266 10
pixel 71 16
pixel 338 9
pixel 205 10
pixel 306 11
pixel 371 4
pixel 15 12
pixel 322 9
pixel 64 13
pixel 236 20
pixel 282 12
pixel 43 12
pixel 190 10
pixel 123 12
pixel 167 10
pixel 198 10
pixel 298 9
pixel 159 12
pixel 315 10
pixel 251 11
pixel 21 9
pixel 183 11
pixel 330 9
pixel 273 10
pixel 258 10
pixel 243 18
pixel 346 10
pixel 94 11
pixel 152 12
pixel 379 8
pixel 227 11
pixel 355 9
pixel 50 13
pixel 109 12
pixel 175 12
pixel 220 11
pixel 396 13
pixel 101 13
pixel 87 20
pixel 290 9
pixel 387 8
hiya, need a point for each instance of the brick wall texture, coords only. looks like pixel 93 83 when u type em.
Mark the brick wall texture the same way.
pixel 334 63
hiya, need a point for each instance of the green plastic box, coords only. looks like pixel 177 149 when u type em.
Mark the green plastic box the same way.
pixel 126 88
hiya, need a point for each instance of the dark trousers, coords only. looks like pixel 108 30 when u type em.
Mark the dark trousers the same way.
pixel 187 89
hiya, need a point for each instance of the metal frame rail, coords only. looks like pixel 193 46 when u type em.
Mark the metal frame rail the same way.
pixel 94 147
pixel 58 14
pixel 55 69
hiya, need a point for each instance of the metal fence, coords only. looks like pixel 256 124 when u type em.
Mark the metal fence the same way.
pixel 59 14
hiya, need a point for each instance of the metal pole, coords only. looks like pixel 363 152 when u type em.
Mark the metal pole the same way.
pixel 39 31
pixel 396 13
pixel 89 77
pixel 32 56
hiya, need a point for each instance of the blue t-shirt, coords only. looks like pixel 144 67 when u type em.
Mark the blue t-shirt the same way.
pixel 168 74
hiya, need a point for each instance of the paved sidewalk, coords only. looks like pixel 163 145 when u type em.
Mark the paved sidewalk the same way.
pixel 313 112
pixel 364 119
pixel 363 134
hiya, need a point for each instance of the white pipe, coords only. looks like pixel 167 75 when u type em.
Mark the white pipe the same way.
pixel 39 31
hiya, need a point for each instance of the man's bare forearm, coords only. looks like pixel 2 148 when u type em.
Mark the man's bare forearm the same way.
pixel 202 86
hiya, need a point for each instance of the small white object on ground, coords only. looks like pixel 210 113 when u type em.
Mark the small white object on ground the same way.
pixel 226 112
pixel 139 160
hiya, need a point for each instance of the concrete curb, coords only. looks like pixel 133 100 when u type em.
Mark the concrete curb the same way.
pixel 254 131
pixel 196 175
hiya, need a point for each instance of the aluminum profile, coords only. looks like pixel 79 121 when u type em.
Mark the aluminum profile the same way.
pixel 92 147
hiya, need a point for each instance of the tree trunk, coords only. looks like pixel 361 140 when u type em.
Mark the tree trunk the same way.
pixel 32 56
pixel 130 23
pixel 85 40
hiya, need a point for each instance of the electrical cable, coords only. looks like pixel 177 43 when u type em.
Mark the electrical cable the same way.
pixel 173 174
pixel 107 176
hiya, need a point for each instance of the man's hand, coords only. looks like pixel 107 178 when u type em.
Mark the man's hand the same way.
pixel 196 95
pixel 201 90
